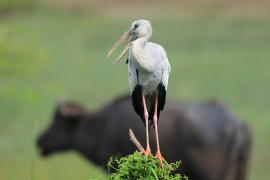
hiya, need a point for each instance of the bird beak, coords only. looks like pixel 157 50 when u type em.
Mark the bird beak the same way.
pixel 121 40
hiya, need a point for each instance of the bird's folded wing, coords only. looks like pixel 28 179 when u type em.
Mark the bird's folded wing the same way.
pixel 132 76
pixel 166 70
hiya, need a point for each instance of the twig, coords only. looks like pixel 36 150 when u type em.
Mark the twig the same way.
pixel 135 141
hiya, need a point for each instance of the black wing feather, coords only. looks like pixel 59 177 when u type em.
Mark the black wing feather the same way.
pixel 161 93
pixel 138 104
pixel 161 98
pixel 137 101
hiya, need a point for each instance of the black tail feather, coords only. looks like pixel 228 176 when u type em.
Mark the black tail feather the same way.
pixel 151 109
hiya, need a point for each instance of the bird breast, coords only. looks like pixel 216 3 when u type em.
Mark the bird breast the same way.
pixel 142 58
pixel 148 65
pixel 150 82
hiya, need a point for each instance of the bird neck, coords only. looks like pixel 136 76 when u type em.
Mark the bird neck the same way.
pixel 139 43
pixel 144 60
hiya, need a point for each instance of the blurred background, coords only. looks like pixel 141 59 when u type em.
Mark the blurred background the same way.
pixel 56 48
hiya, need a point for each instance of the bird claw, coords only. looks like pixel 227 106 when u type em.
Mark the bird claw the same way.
pixel 160 157
pixel 147 152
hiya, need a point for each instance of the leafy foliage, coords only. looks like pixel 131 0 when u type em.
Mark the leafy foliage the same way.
pixel 138 166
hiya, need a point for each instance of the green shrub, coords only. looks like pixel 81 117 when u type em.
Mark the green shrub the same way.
pixel 138 166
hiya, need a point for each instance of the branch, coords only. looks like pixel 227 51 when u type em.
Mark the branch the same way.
pixel 135 141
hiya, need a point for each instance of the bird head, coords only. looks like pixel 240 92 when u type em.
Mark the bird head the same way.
pixel 138 29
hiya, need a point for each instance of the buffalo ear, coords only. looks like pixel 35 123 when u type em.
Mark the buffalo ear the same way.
pixel 71 112
pixel 71 109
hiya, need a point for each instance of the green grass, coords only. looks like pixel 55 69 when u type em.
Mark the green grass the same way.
pixel 46 55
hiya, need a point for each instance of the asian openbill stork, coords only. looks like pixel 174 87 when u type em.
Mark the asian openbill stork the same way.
pixel 148 74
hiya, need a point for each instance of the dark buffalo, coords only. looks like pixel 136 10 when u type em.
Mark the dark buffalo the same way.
pixel 211 143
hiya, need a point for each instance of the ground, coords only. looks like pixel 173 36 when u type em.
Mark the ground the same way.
pixel 48 54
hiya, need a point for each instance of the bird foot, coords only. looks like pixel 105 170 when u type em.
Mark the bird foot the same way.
pixel 160 157
pixel 147 152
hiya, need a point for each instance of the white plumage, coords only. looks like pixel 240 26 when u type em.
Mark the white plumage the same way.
pixel 154 74
pixel 148 75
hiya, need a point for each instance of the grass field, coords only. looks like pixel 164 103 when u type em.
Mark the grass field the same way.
pixel 48 54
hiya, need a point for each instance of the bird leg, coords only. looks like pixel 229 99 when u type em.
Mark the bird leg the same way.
pixel 158 153
pixel 146 116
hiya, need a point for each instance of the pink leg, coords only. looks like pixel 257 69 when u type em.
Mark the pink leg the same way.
pixel 158 154
pixel 148 150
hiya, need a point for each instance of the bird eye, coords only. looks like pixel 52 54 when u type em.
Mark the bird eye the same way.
pixel 135 26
